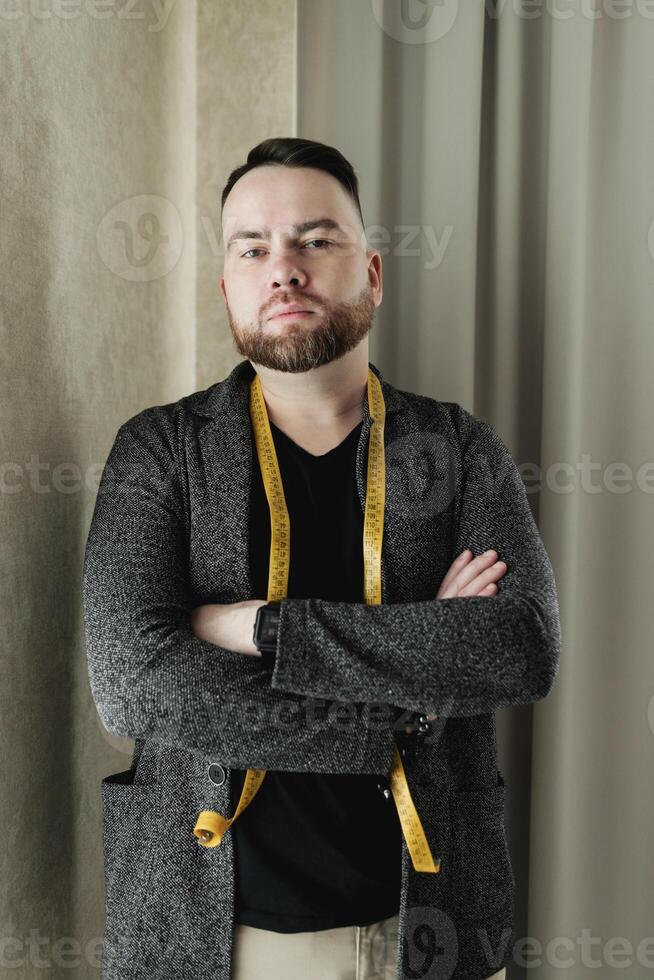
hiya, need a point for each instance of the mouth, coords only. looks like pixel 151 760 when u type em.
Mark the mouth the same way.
pixel 297 313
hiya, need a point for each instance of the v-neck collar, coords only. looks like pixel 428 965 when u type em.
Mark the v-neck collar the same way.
pixel 305 452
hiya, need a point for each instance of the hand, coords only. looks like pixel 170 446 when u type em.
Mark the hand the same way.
pixel 228 625
pixel 468 576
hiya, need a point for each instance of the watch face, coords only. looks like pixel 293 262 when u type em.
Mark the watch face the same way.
pixel 265 628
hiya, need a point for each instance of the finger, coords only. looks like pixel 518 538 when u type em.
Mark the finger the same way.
pixel 456 567
pixel 446 590
pixel 488 576
pixel 470 572
pixel 461 571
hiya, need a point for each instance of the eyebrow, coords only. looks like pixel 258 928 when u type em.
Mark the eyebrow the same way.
pixel 250 233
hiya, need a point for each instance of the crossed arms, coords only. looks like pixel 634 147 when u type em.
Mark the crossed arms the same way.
pixel 152 677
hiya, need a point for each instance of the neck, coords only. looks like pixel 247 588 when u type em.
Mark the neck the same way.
pixel 327 396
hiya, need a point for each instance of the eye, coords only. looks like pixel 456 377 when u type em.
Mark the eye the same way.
pixel 325 241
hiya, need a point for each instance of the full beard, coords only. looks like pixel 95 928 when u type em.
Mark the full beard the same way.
pixel 302 346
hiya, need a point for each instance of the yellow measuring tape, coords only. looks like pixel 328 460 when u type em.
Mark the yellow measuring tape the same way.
pixel 211 826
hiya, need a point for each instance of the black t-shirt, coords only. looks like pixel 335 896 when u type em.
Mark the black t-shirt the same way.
pixel 315 850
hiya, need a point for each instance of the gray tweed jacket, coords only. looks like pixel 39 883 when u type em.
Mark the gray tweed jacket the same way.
pixel 170 532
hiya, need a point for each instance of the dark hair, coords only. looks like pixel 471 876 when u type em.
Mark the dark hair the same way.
pixel 294 152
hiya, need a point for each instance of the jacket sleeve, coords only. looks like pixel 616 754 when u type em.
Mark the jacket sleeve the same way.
pixel 151 677
pixel 460 656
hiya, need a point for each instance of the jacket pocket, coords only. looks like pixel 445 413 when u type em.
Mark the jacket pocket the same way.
pixel 130 815
pixel 481 875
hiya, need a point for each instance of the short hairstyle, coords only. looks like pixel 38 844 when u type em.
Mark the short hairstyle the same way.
pixel 295 152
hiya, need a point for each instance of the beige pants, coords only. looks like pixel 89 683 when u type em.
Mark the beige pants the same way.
pixel 349 953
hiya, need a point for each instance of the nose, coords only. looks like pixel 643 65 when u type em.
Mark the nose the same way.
pixel 293 279
pixel 287 273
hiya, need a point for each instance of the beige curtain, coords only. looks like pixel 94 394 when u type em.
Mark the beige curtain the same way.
pixel 511 147
pixel 505 159
pixel 119 123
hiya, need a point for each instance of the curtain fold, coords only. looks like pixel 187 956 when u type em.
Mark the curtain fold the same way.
pixel 515 142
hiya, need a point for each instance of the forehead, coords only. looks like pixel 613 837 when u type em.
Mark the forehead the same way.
pixel 278 197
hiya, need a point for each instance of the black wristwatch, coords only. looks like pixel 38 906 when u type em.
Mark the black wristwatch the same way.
pixel 265 631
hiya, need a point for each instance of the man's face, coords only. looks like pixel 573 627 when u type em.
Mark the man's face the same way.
pixel 325 270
